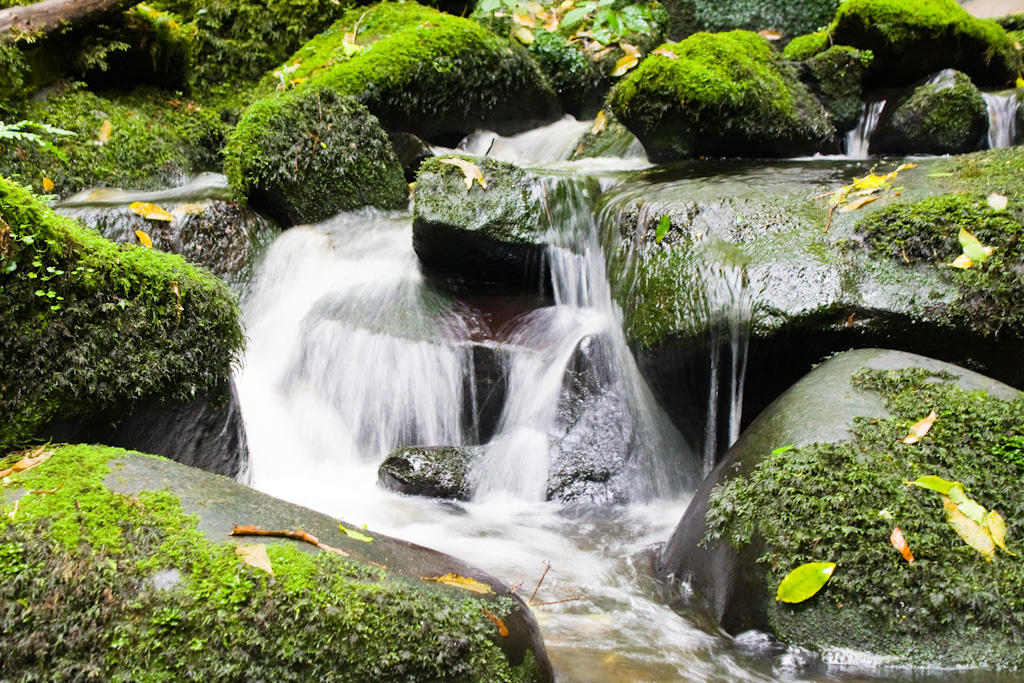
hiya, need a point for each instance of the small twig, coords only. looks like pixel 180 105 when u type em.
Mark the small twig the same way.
pixel 555 602
pixel 15 511
pixel 49 491
pixel 547 568
pixel 831 210
pixel 299 535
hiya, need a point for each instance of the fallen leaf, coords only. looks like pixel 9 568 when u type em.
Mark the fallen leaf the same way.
pixel 963 261
pixel 502 629
pixel 920 428
pixel 106 128
pixel 469 170
pixel 36 456
pixel 933 483
pixel 600 123
pixel 770 35
pixel 177 295
pixel 47 184
pixel 900 543
pixel 997 201
pixel 1020 81
pixel 630 49
pixel 857 203
pixel 972 247
pixel 255 556
pixel 970 508
pixel 355 534
pixel 150 212
pixel 552 25
pixel 972 533
pixel 625 63
pixel 663 227
pixel 144 239
pixel 523 35
pixel 524 20
pixel 665 52
pixel 997 529
pixel 804 581
pixel 464 582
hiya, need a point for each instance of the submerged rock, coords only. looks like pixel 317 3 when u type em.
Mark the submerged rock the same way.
pixel 947 115
pixel 153 584
pixel 721 95
pixel 821 476
pixel 305 155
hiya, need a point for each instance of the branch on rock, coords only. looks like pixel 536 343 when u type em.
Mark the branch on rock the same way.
pixel 52 17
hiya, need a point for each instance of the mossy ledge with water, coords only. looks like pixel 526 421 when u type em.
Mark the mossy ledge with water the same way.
pixel 89 325
pixel 118 566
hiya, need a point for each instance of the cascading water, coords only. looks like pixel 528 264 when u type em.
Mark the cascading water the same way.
pixel 1002 118
pixel 857 139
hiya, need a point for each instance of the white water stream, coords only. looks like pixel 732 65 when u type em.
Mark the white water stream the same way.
pixel 1002 118
pixel 858 138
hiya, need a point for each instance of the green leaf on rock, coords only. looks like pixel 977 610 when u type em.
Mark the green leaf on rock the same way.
pixel 997 529
pixel 933 483
pixel 663 225
pixel 972 533
pixel 804 581
pixel 972 247
pixel 351 533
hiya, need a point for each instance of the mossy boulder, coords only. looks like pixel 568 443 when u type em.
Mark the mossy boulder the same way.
pixel 723 95
pixel 947 115
pixel 836 77
pixel 787 18
pixel 432 471
pixel 153 586
pixel 90 326
pixel 911 39
pixel 146 140
pixel 821 475
pixel 607 138
pixel 423 72
pixel 303 156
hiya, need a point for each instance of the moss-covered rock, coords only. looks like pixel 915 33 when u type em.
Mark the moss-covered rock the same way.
pixel 724 94
pixel 820 476
pixel 787 18
pixel 836 77
pixel 307 154
pixel 433 471
pixel 911 39
pixel 423 72
pixel 152 587
pixel 146 140
pixel 89 325
pixel 947 115
pixel 607 138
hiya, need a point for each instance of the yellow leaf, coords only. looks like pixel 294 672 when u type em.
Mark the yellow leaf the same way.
pixel 962 261
pixel 106 128
pixel 900 543
pixel 1020 80
pixel 857 203
pixel 524 20
pixel 997 529
pixel 255 556
pixel 177 295
pixel 630 49
pixel 770 35
pixel 600 123
pixel 32 458
pixel 625 63
pixel 150 212
pixel 144 239
pixel 552 25
pixel 469 170
pixel 972 533
pixel 997 201
pixel 47 184
pixel 664 52
pixel 920 428
pixel 523 35
pixel 464 582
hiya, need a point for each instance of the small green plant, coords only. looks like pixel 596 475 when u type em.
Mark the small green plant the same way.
pixel 20 131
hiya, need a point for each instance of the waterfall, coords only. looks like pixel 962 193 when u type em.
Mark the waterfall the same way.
pixel 1002 118
pixel 553 142
pixel 857 139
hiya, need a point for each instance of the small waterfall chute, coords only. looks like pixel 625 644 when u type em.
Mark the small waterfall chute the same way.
pixel 857 139
pixel 1002 118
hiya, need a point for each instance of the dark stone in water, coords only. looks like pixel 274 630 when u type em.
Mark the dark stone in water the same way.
pixel 411 152
pixel 436 472
pixel 207 432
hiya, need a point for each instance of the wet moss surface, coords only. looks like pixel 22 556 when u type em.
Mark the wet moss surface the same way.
pixel 838 502
pixel 130 322
pixel 116 586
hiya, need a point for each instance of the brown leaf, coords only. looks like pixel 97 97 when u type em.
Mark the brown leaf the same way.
pixel 900 543
pixel 502 629
pixel 665 52
pixel 255 556
pixel 464 582
pixel 469 170
pixel 36 456
pixel 857 203
pixel 920 428
pixel 770 35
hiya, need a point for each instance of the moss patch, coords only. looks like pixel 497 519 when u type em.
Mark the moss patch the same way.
pixel 825 502
pixel 88 324
pixel 102 584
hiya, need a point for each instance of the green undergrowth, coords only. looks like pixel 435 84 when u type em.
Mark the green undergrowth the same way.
pixel 839 503
pixel 101 585
pixel 156 139
pixel 88 324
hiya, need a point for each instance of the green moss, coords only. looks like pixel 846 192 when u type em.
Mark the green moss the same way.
pixel 156 139
pixel 88 324
pixel 837 77
pixel 806 46
pixel 718 81
pixel 126 588
pixel 839 503
pixel 313 153
pixel 788 17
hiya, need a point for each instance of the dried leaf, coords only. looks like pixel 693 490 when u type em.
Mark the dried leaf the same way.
pixel 997 201
pixel 144 239
pixel 770 35
pixel 804 581
pixel 900 543
pixel 997 529
pixel 630 49
pixel 600 123
pixel 972 533
pixel 150 212
pixel 920 428
pixel 552 25
pixel 464 582
pixel 625 63
pixel 469 170
pixel 177 295
pixel 355 534
pixel 963 261
pixel 665 52
pixel 106 128
pixel 502 629
pixel 857 203
pixel 524 20
pixel 32 458
pixel 255 556
pixel 47 184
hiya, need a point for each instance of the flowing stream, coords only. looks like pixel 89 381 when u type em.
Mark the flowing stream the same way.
pixel 352 354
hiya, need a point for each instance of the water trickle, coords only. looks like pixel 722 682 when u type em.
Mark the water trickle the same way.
pixel 1002 118
pixel 857 139
pixel 553 142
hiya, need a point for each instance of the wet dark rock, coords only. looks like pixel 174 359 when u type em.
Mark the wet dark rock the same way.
pixel 947 115
pixel 411 152
pixel 725 566
pixel 836 77
pixel 485 399
pixel 207 432
pixel 432 471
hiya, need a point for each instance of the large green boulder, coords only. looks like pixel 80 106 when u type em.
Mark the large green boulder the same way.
pixel 836 78
pixel 90 325
pixel 423 72
pixel 722 95
pixel 823 475
pixel 305 155
pixel 128 569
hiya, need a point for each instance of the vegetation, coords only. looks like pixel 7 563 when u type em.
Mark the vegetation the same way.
pixel 836 79
pixel 839 502
pixel 125 588
pixel 89 325
pixel 788 18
